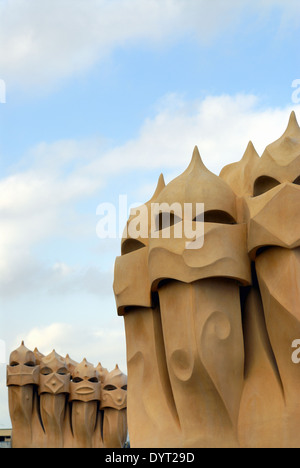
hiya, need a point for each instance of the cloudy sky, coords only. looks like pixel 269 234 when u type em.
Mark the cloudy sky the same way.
pixel 97 98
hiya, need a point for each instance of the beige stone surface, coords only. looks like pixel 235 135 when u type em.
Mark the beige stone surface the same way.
pixel 209 329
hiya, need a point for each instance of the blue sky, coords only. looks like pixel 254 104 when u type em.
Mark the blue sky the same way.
pixel 101 97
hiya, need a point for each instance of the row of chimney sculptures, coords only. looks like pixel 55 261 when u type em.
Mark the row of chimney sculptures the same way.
pixel 55 402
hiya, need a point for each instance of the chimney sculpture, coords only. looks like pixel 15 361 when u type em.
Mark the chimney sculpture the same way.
pixel 22 378
pixel 114 403
pixel 210 319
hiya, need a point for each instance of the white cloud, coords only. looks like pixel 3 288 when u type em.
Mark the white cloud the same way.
pixel 36 204
pixel 42 42
pixel 221 127
pixel 29 275
pixel 105 345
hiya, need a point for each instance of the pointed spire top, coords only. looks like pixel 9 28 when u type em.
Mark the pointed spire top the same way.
pixel 238 174
pixel 199 183
pixel 84 370
pixel 116 377
pixel 54 359
pixel 195 168
pixel 196 153
pixel 287 148
pixel 250 153
pixel 71 364
pixel 39 356
pixel 159 187
pixel 293 126
pixel 196 162
pixel 161 182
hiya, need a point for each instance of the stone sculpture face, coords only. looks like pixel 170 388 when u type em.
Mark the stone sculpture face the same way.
pixel 114 393
pixel 85 384
pixel 54 375
pixel 166 252
pixel 210 252
pixel 22 369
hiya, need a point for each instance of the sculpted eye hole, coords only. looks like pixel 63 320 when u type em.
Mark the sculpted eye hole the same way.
pixel 130 245
pixel 217 216
pixel 166 219
pixel 14 364
pixel 62 371
pixel 46 371
pixel 124 387
pixel 297 181
pixel 263 184
pixel 109 388
pixel 77 379
pixel 30 364
pixel 93 380
pixel 199 218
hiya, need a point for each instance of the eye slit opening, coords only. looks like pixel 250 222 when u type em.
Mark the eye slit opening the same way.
pixel 199 218
pixel 218 216
pixel 46 371
pixel 14 364
pixel 124 387
pixel 263 184
pixel 130 245
pixel 30 364
pixel 110 388
pixel 77 379
pixel 93 380
pixel 166 219
pixel 62 371
pixel 297 181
